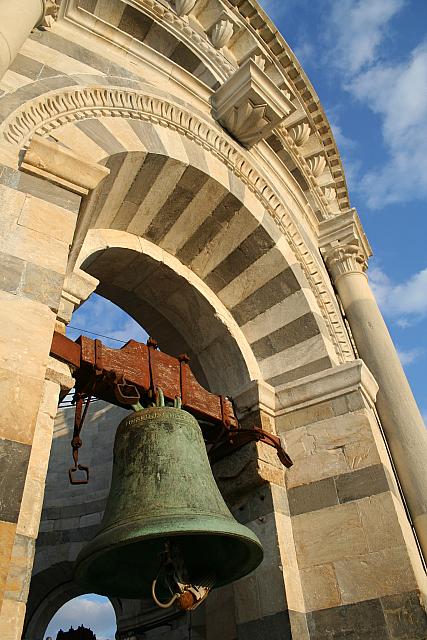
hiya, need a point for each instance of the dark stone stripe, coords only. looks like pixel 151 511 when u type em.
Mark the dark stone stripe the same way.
pixel 185 58
pixel 74 50
pixel 191 181
pixel 289 335
pixel 31 68
pixel 139 189
pixel 275 627
pixel 300 372
pixel 31 281
pixel 101 135
pixel 400 617
pixel 88 5
pixel 40 188
pixel 148 136
pixel 77 534
pixel 209 228
pixel 257 244
pixel 12 101
pixel 14 457
pixel 346 487
pixel 73 510
pixel 136 23
pixel 277 289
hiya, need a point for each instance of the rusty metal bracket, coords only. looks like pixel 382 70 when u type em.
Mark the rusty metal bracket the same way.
pixel 129 377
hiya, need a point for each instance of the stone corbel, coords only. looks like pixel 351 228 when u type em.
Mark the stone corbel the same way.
pixel 56 164
pixel 300 133
pixel 249 105
pixel 222 30
pixel 183 7
pixel 317 164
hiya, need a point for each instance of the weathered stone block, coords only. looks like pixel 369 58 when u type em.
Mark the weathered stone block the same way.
pixel 18 415
pixel 371 575
pixel 320 587
pixel 311 497
pixel 380 521
pixel 361 483
pixel 14 457
pixel 406 618
pixel 19 577
pixel 48 218
pixel 327 535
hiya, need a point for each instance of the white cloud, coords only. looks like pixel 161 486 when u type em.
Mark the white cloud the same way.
pixel 94 612
pixel 358 28
pixel 408 356
pixel 404 302
pixel 395 91
pixel 398 94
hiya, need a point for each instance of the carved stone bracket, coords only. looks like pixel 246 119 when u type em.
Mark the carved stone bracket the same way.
pixel 317 164
pixel 52 162
pixel 300 133
pixel 183 7
pixel 222 30
pixel 249 105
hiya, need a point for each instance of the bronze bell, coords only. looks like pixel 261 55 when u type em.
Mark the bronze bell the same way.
pixel 166 527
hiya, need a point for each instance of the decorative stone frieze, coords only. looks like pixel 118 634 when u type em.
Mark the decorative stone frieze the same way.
pixel 249 105
pixel 317 165
pixel 183 7
pixel 54 163
pixel 221 32
pixel 300 133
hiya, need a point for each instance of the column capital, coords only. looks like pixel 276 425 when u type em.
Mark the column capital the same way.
pixel 344 245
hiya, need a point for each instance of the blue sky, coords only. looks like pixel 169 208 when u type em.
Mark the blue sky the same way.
pixel 367 60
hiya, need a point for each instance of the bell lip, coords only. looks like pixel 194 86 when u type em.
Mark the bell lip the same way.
pixel 95 548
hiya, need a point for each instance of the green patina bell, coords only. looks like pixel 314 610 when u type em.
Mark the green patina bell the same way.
pixel 163 496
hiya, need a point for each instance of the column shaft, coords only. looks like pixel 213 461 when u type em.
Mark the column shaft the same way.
pixel 17 21
pixel 400 417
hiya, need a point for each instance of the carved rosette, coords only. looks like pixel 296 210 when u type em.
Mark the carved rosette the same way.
pixel 183 7
pixel 300 133
pixel 342 259
pixel 221 32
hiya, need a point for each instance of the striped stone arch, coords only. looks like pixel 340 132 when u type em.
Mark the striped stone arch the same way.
pixel 170 202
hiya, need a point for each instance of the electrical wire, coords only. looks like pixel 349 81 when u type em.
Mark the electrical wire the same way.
pixel 100 335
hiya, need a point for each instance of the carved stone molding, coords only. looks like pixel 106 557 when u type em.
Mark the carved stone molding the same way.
pixel 222 31
pixel 249 105
pixel 53 110
pixel 317 164
pixel 183 7
pixel 300 133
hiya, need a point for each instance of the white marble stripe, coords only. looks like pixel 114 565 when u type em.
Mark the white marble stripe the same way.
pixel 297 356
pixel 81 144
pixel 121 129
pixel 231 235
pixel 110 12
pixel 12 81
pixel 156 197
pixel 200 208
pixel 278 316
pixel 55 59
pixel 255 276
pixel 123 180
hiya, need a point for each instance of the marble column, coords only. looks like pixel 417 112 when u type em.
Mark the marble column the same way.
pixel 18 19
pixel 401 420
